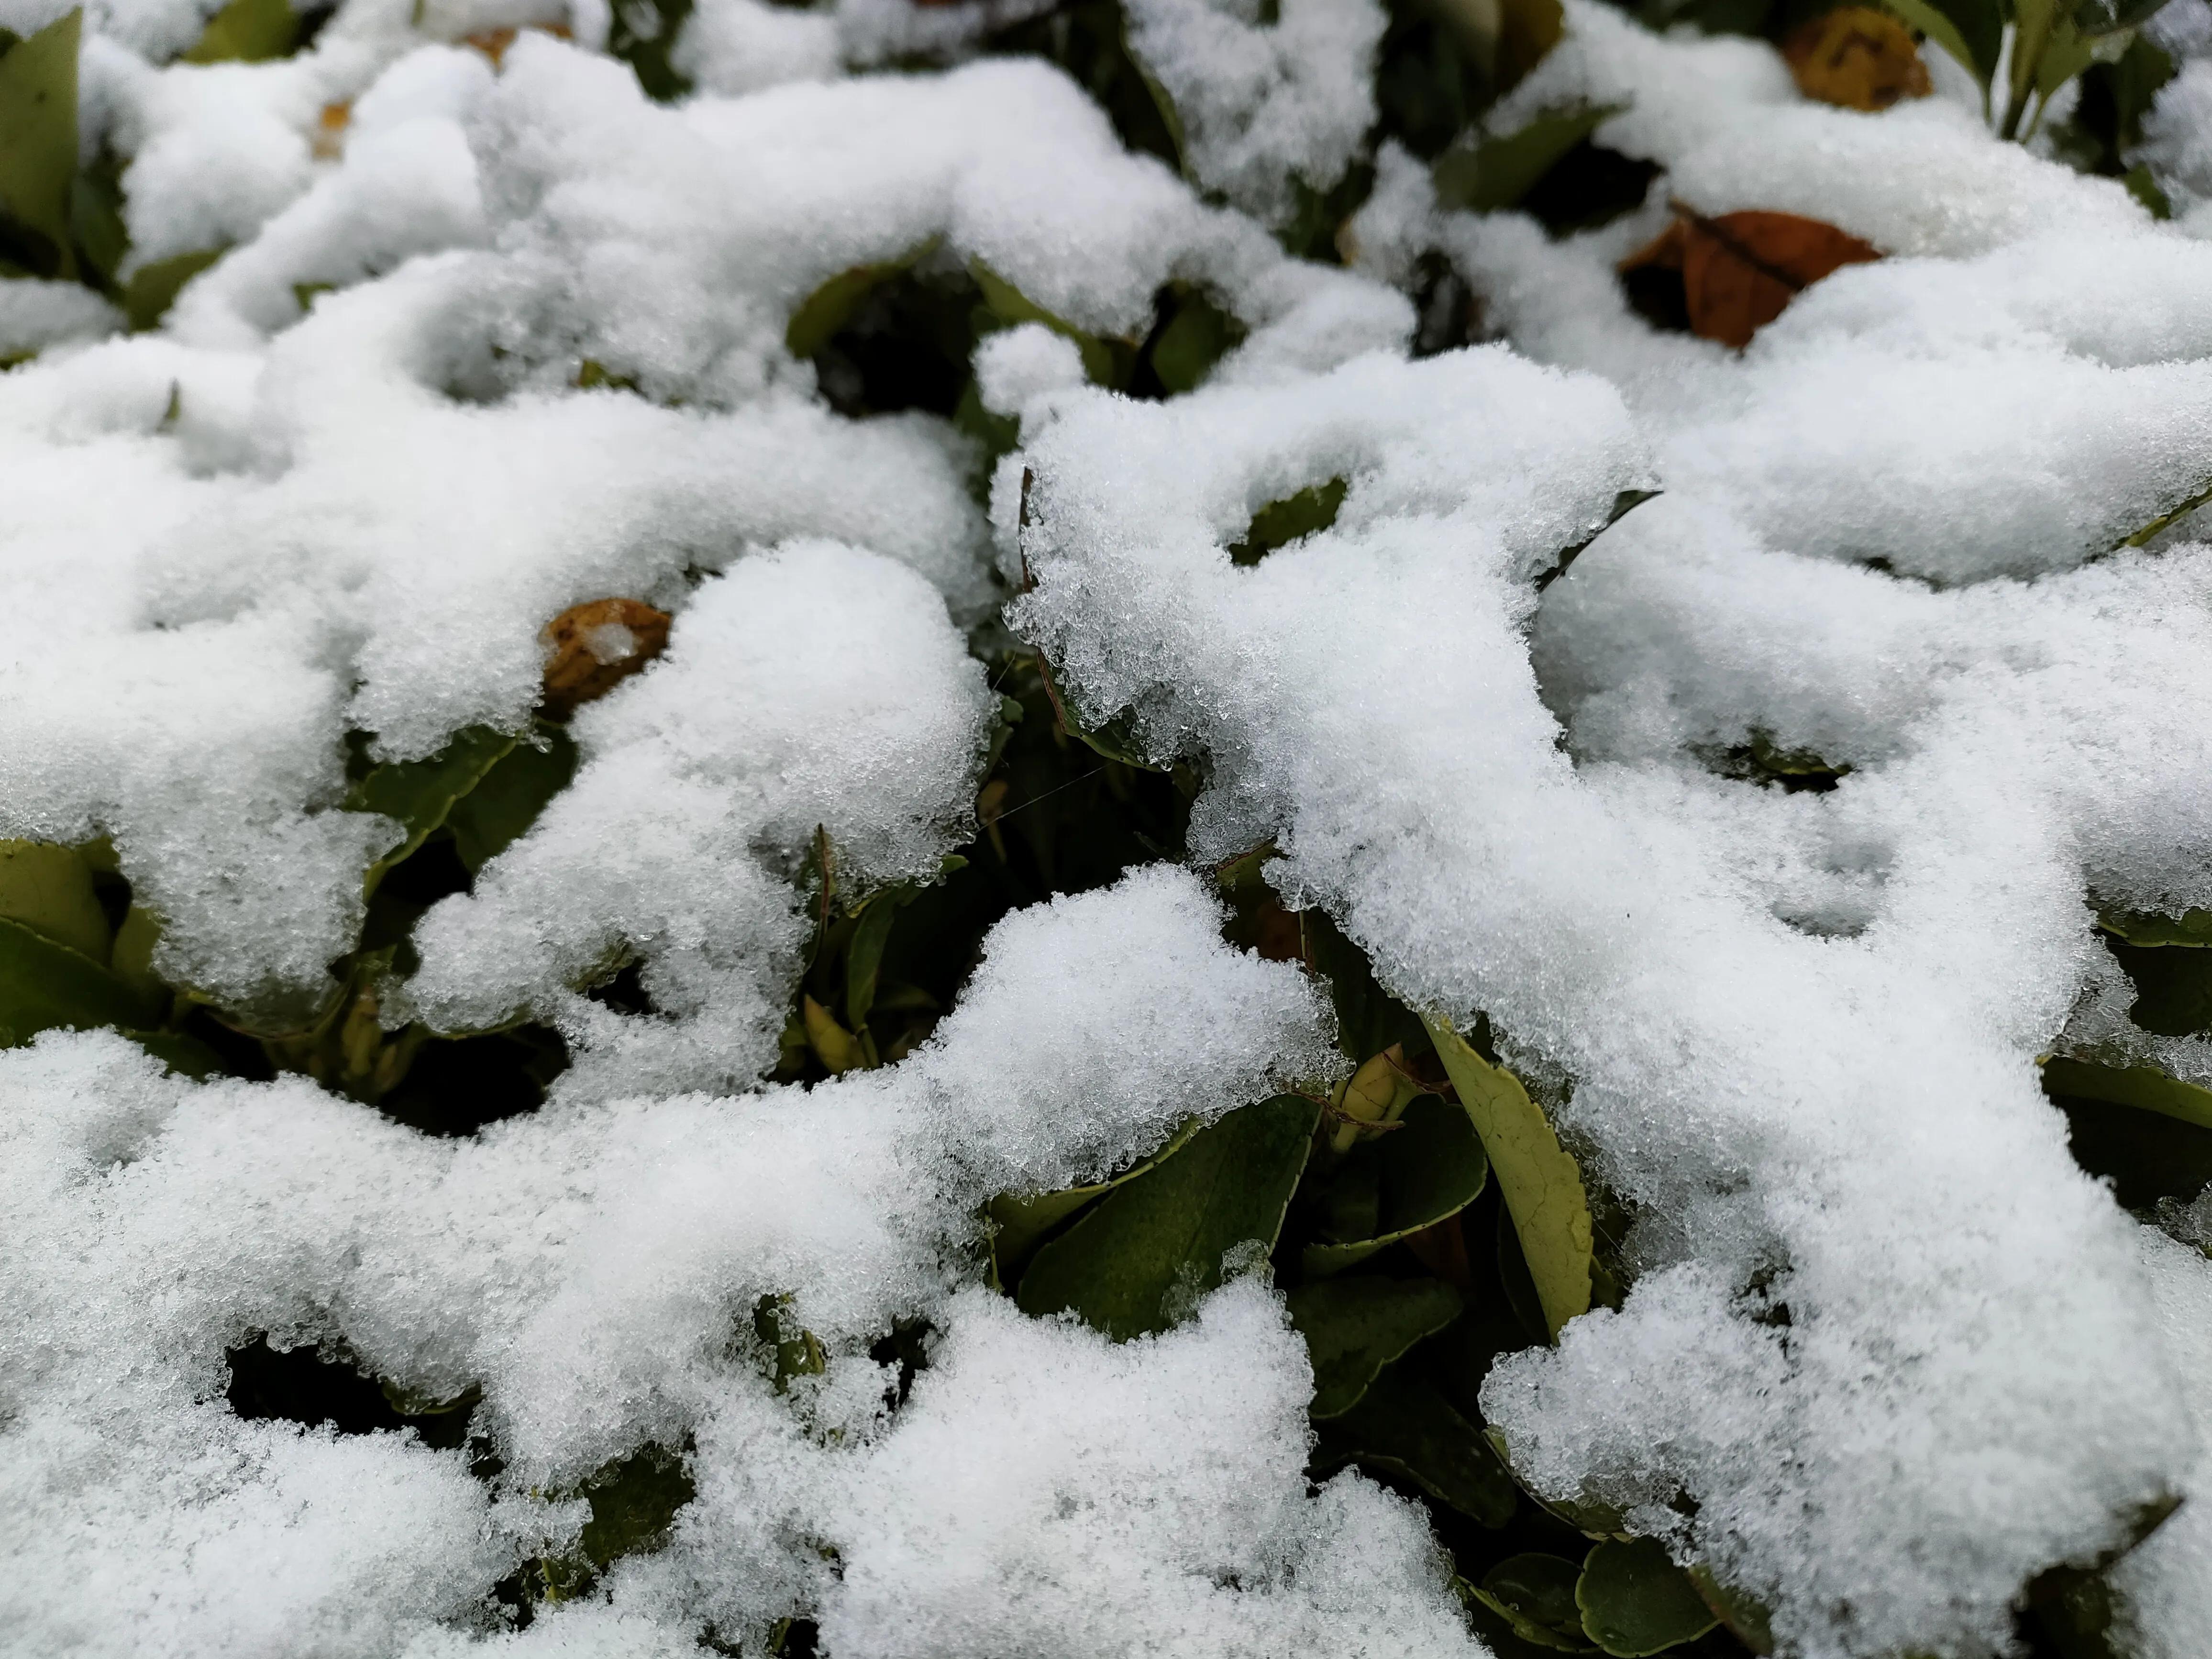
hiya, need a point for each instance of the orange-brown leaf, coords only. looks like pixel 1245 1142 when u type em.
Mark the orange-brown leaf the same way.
pixel 1858 57
pixel 1740 269
pixel 592 647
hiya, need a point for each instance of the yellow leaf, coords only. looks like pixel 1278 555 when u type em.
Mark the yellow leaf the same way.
pixel 1538 1177
pixel 833 1045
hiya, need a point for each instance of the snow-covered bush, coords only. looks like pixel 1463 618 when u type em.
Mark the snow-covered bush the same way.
pixel 1210 827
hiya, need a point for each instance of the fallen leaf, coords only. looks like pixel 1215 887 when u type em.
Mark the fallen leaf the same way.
pixel 1857 58
pixel 494 43
pixel 328 140
pixel 1739 271
pixel 592 647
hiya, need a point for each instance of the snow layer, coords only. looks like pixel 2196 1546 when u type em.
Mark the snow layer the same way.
pixel 1895 1353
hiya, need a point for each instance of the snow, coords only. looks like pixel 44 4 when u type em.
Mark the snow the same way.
pixel 513 339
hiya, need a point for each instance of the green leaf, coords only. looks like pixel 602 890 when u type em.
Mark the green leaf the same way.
pixel 1496 173
pixel 1636 1602
pixel 2173 987
pixel 1540 1182
pixel 1355 1326
pixel 1430 1167
pixel 131 957
pixel 1972 31
pixel 48 889
pixel 1748 1620
pixel 633 1504
pixel 1113 739
pixel 188 1056
pixel 2148 927
pixel 821 313
pixel 1021 1221
pixel 247 32
pixel 797 1352
pixel 1195 338
pixel 44 985
pixel 153 287
pixel 2144 1087
pixel 1403 1424
pixel 96 221
pixel 1535 1593
pixel 1624 503
pixel 508 797
pixel 2168 519
pixel 1291 519
pixel 1010 305
pixel 420 794
pixel 641 34
pixel 2155 202
pixel 1139 1260
pixel 864 954
pixel 38 151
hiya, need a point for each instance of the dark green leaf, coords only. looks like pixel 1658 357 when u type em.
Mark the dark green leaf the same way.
pixel 96 221
pixel 2144 188
pixel 508 797
pixel 2146 928
pixel 1020 1222
pixel 1747 1618
pixel 153 287
pixel 864 955
pixel 420 794
pixel 2174 987
pixel 38 151
pixel 1404 1425
pixel 1010 305
pixel 1355 1326
pixel 1432 1166
pixel 1196 336
pixel 634 1503
pixel 642 32
pixel 44 985
pixel 1154 1246
pixel 1535 1593
pixel 247 32
pixel 1282 522
pixel 1622 504
pixel 821 313
pixel 2144 1087
pixel 187 1055
pixel 1113 739
pixel 1972 31
pixel 1635 1601
pixel 1496 173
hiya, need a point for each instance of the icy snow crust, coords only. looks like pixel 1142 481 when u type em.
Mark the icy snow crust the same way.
pixel 1795 1032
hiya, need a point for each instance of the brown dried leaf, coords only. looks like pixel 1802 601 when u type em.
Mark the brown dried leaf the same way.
pixel 494 43
pixel 1857 58
pixel 329 140
pixel 591 648
pixel 1740 269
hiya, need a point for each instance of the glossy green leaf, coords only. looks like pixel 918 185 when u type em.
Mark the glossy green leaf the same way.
pixel 1496 173
pixel 1636 1602
pixel 44 985
pixel 821 313
pixel 247 32
pixel 1403 1424
pixel 153 289
pixel 1355 1326
pixel 1149 1250
pixel 508 797
pixel 419 794
pixel 1294 517
pixel 38 151
pixel 1021 1221
pixel 1430 1167
pixel 1540 1182
pixel 1535 1593
pixel 2144 1087
pixel 48 889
